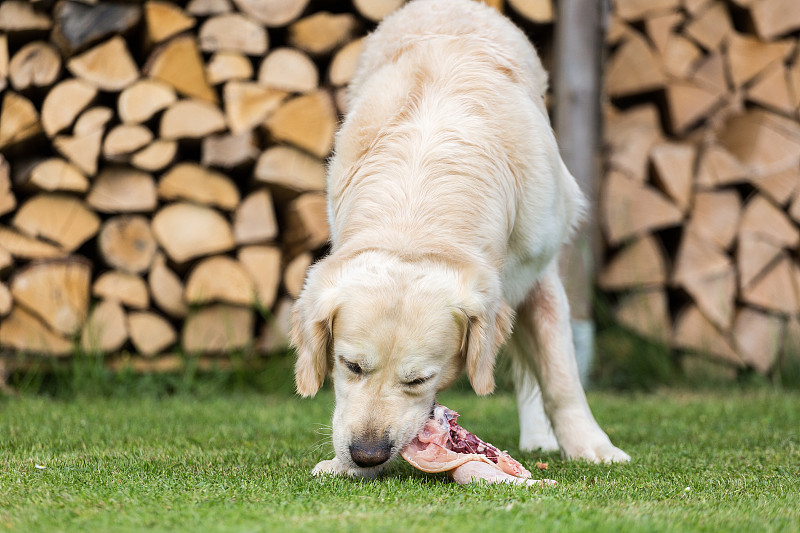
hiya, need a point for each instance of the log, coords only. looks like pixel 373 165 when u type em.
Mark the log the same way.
pixel 646 313
pixel 166 288
pixel 711 27
pixel 762 220
pixel 688 103
pixel 776 289
pixel 220 279
pixel 6 262
pixel 753 256
pixel 640 264
pixel 758 337
pixel 64 220
pixel 714 296
pixel 263 264
pixel 773 18
pixel 794 210
pixel 56 291
pixel 660 27
pixel 106 330
pixel 764 142
pixel 178 63
pixel 697 260
pixel 629 208
pixel 290 168
pixel 294 275
pixel 633 69
pixel 79 25
pixel 771 90
pixel 64 103
pixel 308 122
pixel 218 328
pixel 19 120
pixel 695 333
pixel 36 64
pixel 124 139
pixel 229 151
pixel 680 56
pixel 719 167
pixel 630 136
pixel 710 74
pixel 639 9
pixel 150 333
pixel 204 8
pixel 272 13
pixel 164 20
pixel 6 301
pixel 8 202
pixel 191 119
pixel 120 189
pixel 748 56
pixel 694 7
pixel 190 181
pixel 322 32
pixel 92 120
pixel 674 170
pixel 3 61
pixel 254 220
pixel 376 10
pixel 126 243
pixel 780 186
pixel 19 16
pixel 155 156
pixel 344 63
pixel 23 247
pixel 715 217
pixel 83 147
pixel 108 66
pixel 536 11
pixel 23 332
pixel 128 289
pixel 233 32
pixel 139 102
pixel 274 335
pixel 288 69
pixel 228 66
pixel 307 222
pixel 186 231
pixel 248 104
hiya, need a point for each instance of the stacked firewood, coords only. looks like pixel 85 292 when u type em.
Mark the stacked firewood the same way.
pixel 700 201
pixel 162 166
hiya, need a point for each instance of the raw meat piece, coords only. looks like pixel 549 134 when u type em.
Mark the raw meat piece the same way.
pixel 444 446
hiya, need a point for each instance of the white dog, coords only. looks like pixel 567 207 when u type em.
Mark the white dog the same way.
pixel 448 203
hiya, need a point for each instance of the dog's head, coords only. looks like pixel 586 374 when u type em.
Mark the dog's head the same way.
pixel 392 334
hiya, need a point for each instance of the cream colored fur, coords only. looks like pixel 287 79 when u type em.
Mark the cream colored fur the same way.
pixel 448 203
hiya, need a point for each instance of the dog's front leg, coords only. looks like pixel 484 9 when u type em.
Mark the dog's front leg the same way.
pixel 543 323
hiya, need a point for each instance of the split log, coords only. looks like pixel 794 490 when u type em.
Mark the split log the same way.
pixel 288 69
pixel 697 259
pixel 254 220
pixel 758 337
pixel 780 186
pixel 124 139
pixel 6 300
pixel 178 63
pixel 714 296
pixel 272 13
pixel 640 264
pixel 108 66
pixel 294 275
pixel 646 313
pixel 228 66
pixel 65 102
pixel 106 329
pixel 711 27
pixel 128 289
pixel 307 222
pixel 6 262
pixel 762 220
pixel 190 181
pixel 83 147
pixel 19 120
pixel 753 256
pixel 233 32
pixel 710 74
pixel 633 69
pixel 19 16
pixel 263 263
pixel 274 335
pixel 248 104
pixel 79 25
pixel 719 167
pixel 536 11
pixel 639 9
pixel 376 10
pixel 166 288
pixel 164 20
pixel 344 63
pixel 191 119
pixel 630 136
pixel 56 291
pixel 660 27
pixel 186 231
pixel 229 151
pixel 308 122
pixel 688 104
pixel 290 168
pixel 776 289
pixel 715 217
pixel 204 8
pixel 58 218
pixel 674 170
pixel 773 18
pixel 680 56
pixel 219 279
pixel 155 156
pixel 23 332
pixel 771 90
pixel 139 102
pixel 3 61
pixel 126 243
pixel 36 64
pixel 694 332
pixel 24 247
pixel 8 202
pixel 92 120
pixel 748 56
pixel 120 189
pixel 218 328
pixel 150 333
pixel 764 142
pixel 322 32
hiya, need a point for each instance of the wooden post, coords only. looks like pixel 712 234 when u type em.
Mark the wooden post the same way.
pixel 576 87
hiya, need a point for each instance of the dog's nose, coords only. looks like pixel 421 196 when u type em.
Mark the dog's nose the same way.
pixel 366 453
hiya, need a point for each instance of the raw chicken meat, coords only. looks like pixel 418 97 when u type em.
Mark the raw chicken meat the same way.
pixel 444 446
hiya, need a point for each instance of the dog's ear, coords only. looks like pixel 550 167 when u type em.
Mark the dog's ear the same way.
pixel 489 320
pixel 311 332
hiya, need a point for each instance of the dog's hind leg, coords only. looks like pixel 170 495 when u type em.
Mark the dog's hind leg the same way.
pixel 543 324
pixel 535 431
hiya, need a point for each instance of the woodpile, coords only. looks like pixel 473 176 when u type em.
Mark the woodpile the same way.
pixel 700 201
pixel 162 167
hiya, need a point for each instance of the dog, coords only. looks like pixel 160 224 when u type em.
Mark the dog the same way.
pixel 448 203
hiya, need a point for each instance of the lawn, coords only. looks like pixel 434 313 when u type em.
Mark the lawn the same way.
pixel 724 460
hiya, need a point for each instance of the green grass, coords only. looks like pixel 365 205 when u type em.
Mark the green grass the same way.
pixel 725 460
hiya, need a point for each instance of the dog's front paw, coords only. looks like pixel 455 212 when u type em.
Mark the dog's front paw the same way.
pixel 330 467
pixel 603 452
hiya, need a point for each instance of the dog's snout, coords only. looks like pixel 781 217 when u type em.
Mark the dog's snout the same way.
pixel 366 453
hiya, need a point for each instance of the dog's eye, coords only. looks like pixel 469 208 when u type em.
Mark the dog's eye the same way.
pixel 415 382
pixel 353 367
